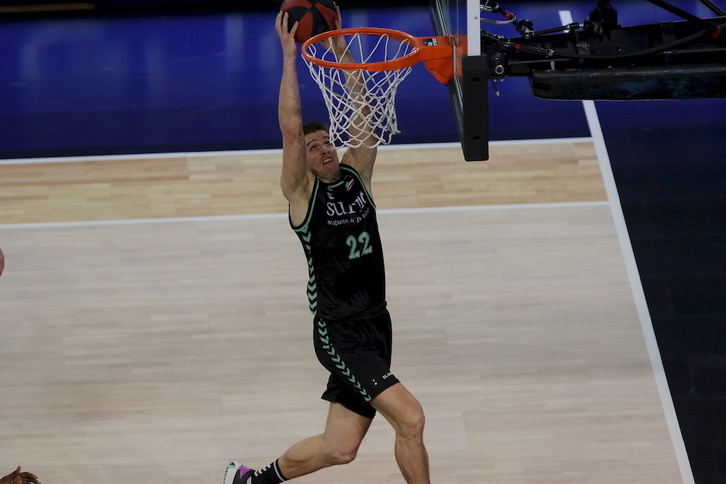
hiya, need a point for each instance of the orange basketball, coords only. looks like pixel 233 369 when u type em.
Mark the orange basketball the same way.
pixel 315 17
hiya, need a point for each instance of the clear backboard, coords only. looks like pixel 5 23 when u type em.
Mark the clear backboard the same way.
pixel 460 20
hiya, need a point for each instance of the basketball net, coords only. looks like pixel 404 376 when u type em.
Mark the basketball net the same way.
pixel 358 72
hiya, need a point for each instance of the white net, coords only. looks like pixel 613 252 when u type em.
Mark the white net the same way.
pixel 361 102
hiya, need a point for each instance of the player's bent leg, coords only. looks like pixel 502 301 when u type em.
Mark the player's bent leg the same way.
pixel 344 432
pixel 405 414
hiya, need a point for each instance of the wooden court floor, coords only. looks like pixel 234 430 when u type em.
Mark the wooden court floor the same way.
pixel 155 325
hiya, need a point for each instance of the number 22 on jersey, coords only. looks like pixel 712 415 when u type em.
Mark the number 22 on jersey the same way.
pixel 359 246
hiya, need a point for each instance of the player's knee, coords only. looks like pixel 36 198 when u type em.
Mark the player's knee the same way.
pixel 411 424
pixel 343 458
pixel 336 456
pixel 417 422
pixel 340 451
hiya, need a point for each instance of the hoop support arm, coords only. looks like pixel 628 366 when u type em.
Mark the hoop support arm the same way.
pixel 437 55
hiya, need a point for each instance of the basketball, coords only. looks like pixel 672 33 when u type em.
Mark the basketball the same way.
pixel 315 17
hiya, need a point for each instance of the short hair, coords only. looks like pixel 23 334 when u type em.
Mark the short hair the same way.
pixel 314 127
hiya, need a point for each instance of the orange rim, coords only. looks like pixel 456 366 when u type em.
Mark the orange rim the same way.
pixel 402 62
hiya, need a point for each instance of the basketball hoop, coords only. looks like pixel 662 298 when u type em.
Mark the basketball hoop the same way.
pixel 361 96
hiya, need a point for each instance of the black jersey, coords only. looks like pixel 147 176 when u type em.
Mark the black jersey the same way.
pixel 343 249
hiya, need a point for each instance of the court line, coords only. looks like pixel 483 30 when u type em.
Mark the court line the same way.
pixel 187 154
pixel 233 218
pixel 631 267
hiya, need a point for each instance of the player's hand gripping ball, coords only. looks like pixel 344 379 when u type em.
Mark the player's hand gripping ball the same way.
pixel 314 17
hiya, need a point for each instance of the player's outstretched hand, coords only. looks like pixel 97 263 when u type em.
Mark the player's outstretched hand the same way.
pixel 287 38
pixel 338 19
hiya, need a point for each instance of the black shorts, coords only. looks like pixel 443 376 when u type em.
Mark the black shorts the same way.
pixel 357 353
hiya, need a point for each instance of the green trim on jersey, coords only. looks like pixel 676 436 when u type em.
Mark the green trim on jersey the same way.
pixel 322 331
pixel 312 288
pixel 309 215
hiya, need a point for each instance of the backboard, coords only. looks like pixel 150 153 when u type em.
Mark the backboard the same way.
pixel 468 89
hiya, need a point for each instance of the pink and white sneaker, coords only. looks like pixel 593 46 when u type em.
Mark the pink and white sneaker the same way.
pixel 236 473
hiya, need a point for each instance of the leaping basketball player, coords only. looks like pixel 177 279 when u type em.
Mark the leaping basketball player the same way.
pixel 332 212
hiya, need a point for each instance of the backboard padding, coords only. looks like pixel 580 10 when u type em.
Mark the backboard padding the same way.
pixel 468 90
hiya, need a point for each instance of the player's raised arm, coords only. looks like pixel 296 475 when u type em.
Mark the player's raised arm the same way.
pixel 294 180
pixel 361 127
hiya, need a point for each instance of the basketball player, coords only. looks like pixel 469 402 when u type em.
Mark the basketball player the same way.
pixel 332 212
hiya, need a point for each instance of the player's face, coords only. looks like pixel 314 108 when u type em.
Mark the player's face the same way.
pixel 321 156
